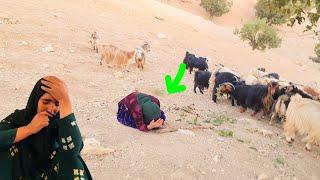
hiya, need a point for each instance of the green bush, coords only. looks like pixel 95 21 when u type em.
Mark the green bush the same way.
pixel 216 7
pixel 270 10
pixel 259 34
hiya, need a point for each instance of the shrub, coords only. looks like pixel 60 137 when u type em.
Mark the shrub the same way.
pixel 269 9
pixel 216 7
pixel 259 34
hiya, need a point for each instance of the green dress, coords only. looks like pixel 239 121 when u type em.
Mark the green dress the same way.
pixel 64 162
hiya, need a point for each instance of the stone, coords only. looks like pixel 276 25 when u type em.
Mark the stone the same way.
pixel 186 132
pixel 47 48
pixel 24 43
pixel 161 36
pixel 216 158
pixel 158 17
pixel 93 147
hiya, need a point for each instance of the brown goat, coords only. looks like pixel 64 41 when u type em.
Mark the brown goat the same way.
pixel 267 100
pixel 113 55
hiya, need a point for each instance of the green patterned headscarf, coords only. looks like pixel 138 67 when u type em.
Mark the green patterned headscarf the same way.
pixel 151 110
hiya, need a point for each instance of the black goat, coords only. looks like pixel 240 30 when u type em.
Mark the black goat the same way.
pixel 255 97
pixel 195 62
pixel 201 80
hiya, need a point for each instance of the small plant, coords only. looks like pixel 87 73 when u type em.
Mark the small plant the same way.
pixel 183 115
pixel 226 133
pixel 317 51
pixel 218 122
pixel 159 92
pixel 216 7
pixel 217 119
pixel 279 161
pixel 195 121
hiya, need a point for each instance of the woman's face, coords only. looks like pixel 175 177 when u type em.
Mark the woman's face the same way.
pixel 48 103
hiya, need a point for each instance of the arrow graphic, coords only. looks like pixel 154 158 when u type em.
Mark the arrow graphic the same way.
pixel 173 86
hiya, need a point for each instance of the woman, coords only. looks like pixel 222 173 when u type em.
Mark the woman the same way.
pixel 141 111
pixel 43 140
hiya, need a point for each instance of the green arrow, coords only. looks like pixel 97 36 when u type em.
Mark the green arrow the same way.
pixel 173 86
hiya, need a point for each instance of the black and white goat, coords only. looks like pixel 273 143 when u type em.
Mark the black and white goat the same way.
pixel 140 54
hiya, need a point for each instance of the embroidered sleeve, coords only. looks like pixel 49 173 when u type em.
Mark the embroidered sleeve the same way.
pixel 70 140
pixel 7 135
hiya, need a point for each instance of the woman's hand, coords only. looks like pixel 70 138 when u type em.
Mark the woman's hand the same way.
pixel 55 87
pixel 155 124
pixel 58 90
pixel 39 121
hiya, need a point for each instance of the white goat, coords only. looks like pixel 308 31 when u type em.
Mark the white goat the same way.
pixel 303 116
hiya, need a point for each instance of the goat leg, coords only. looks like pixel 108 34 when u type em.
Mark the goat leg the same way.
pixel 200 89
pixel 255 113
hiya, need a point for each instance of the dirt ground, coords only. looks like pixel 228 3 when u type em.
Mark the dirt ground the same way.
pixel 255 148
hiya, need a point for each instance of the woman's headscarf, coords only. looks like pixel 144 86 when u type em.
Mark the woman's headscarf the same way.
pixel 151 110
pixel 36 149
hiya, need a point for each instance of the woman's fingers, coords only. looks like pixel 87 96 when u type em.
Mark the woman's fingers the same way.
pixel 45 113
pixel 46 89
pixel 52 79
pixel 47 83
pixel 161 122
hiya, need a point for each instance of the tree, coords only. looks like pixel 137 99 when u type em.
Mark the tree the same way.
pixel 300 11
pixel 259 34
pixel 268 9
pixel 216 7
pixel 317 51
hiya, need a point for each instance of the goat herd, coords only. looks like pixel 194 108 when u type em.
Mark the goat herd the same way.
pixel 296 106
